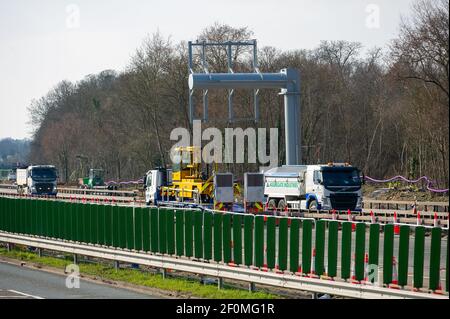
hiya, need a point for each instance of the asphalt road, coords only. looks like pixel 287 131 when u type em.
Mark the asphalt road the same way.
pixel 19 282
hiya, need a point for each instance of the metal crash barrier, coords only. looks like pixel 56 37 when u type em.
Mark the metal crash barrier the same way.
pixel 408 257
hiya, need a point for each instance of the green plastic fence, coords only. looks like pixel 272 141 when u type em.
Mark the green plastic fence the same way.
pixel 327 249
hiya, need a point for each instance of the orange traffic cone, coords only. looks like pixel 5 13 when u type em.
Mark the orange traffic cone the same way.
pixel 435 221
pixel 372 217
pixel 353 272
pixel 396 227
pixel 349 217
pixel 394 274
pixel 419 221
pixel 313 260
pixel 366 267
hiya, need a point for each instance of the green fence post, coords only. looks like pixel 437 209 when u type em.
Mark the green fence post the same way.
pixel 94 224
pixel 180 232
pixel 270 243
pixel 248 240
pixel 19 216
pixel 188 233
pixel 207 235
pixel 170 227
pixel 123 225
pixel 162 231
pixel 58 217
pixel 67 220
pixel 282 243
pixel 226 232
pixel 294 243
pixel 333 228
pixel 446 264
pixel 108 225
pixel 138 228
pixel 419 249
pixel 346 250
pixel 360 249
pixel 198 234
pixel 146 229
pixel 320 248
pixel 88 223
pixel 237 239
pixel 129 211
pixel 259 241
pixel 435 258
pixel 306 246
pixel 403 256
pixel 217 220
pixel 101 210
pixel 374 248
pixel 388 253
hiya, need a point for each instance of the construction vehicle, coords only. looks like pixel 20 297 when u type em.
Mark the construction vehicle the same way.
pixel 313 187
pixel 95 179
pixel 184 182
pixel 37 180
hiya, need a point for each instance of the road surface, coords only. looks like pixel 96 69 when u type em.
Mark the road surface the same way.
pixel 19 282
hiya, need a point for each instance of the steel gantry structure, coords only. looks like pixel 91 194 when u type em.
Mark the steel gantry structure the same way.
pixel 288 80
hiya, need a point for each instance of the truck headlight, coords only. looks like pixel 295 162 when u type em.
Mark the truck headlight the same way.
pixel 325 203
pixel 359 203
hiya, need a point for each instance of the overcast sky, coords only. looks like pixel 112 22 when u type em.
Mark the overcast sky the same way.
pixel 46 41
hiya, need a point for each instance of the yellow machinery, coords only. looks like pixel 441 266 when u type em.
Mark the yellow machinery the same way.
pixel 188 181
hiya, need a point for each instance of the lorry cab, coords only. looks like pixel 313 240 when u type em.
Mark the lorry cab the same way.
pixel 37 180
pixel 333 186
pixel 315 187
pixel 153 181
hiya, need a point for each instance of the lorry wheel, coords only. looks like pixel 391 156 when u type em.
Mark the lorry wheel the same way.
pixel 312 205
pixel 272 205
pixel 281 208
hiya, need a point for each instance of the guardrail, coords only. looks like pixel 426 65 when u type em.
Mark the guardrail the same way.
pixel 405 205
pixel 331 252
pixel 102 192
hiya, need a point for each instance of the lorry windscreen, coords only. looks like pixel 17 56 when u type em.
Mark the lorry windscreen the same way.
pixel 341 177
pixel 44 173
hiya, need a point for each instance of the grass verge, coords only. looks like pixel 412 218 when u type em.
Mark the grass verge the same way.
pixel 141 278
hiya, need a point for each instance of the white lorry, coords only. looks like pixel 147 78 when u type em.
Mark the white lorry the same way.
pixel 314 187
pixel 153 181
pixel 37 180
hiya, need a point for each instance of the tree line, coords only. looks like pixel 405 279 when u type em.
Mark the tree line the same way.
pixel 384 110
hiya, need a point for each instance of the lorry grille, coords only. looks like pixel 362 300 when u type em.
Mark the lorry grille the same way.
pixel 344 201
pixel 44 188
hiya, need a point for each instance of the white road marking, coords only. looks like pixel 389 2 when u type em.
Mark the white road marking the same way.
pixel 24 294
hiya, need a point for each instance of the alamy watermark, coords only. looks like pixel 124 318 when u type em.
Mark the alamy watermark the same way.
pixel 73 279
pixel 373 17
pixel 73 16
pixel 221 148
